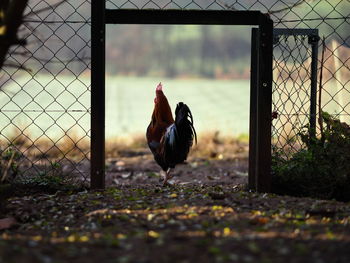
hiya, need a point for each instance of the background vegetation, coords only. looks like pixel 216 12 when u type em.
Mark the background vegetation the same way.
pixel 178 51
pixel 319 170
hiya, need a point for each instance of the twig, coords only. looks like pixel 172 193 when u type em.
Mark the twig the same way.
pixel 64 61
pixel 25 53
pixel 4 175
pixel 51 7
pixel 18 66
pixel 227 5
pixel 298 3
pixel 320 118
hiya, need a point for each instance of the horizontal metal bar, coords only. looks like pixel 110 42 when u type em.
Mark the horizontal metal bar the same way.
pixel 323 19
pixel 183 17
pixel 295 31
pixel 24 111
pixel 38 21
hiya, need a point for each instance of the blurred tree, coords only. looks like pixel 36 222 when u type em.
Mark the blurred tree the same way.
pixel 11 15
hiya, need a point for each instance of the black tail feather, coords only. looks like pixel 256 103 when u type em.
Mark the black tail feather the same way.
pixel 182 113
pixel 178 138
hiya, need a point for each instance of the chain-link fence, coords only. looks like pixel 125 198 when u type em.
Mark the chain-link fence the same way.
pixel 45 89
pixel 292 94
pixel 292 57
pixel 45 92
pixel 295 87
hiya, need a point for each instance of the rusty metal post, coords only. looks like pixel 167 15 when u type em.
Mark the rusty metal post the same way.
pixel 97 94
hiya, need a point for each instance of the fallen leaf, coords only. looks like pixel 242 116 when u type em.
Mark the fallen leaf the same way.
pixel 174 195
pixel 120 163
pixel 125 175
pixel 7 223
pixel 153 234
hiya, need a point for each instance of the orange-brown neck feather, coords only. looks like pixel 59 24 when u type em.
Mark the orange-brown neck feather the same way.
pixel 161 117
pixel 162 110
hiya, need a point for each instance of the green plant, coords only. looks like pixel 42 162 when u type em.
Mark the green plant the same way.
pixel 8 172
pixel 51 180
pixel 322 168
pixel 8 164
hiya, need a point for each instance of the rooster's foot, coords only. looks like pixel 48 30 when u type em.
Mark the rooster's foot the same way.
pixel 167 177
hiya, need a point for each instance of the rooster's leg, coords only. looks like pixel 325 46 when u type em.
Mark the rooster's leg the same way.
pixel 162 175
pixel 167 177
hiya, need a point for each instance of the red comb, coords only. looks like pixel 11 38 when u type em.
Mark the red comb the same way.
pixel 159 87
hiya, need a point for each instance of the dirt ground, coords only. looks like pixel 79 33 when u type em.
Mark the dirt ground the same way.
pixel 139 167
pixel 204 215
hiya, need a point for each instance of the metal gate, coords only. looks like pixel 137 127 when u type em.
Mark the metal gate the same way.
pixel 260 117
pixel 294 92
pixel 290 54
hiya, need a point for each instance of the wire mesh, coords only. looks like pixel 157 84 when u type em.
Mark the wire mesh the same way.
pixel 45 87
pixel 291 92
pixel 292 57
pixel 45 91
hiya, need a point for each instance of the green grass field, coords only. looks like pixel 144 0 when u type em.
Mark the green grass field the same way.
pixel 53 106
pixel 43 105
pixel 221 105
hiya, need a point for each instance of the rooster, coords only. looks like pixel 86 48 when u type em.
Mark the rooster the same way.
pixel 170 141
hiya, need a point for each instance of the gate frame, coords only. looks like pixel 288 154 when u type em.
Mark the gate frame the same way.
pixel 313 37
pixel 261 106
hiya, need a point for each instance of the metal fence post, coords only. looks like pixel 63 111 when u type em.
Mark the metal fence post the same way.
pixel 254 60
pixel 97 94
pixel 313 40
pixel 264 104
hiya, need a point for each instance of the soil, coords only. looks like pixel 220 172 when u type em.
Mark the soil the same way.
pixel 204 215
pixel 139 167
